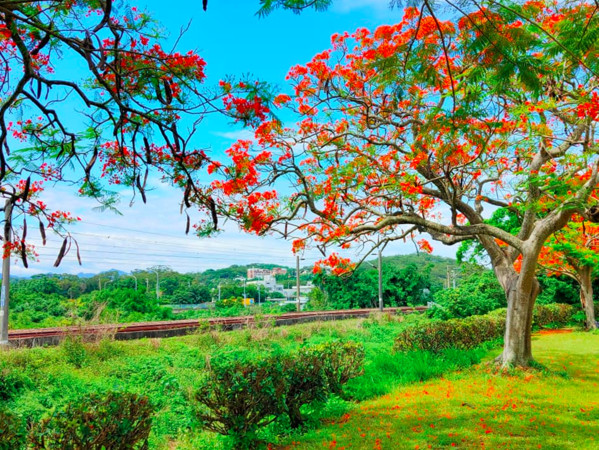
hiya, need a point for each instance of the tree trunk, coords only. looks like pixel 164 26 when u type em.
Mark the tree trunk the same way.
pixel 586 296
pixel 521 293
pixel 295 416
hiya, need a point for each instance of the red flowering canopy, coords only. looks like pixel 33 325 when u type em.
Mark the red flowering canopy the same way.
pixel 90 97
pixel 428 126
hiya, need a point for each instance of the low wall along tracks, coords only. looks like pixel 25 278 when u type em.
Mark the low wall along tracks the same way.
pixel 124 331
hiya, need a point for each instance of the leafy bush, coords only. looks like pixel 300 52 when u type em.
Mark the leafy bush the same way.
pixel 457 333
pixel 555 315
pixel 243 394
pixel 116 420
pixel 478 293
pixel 342 362
pixel 305 382
pixel 472 331
pixel 74 351
pixel 288 308
pixel 11 383
pixel 12 431
pixel 562 289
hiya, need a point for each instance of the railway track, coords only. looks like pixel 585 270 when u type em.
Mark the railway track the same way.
pixel 50 336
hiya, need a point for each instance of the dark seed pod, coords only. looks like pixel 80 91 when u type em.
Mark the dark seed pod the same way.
pixel 186 195
pixel 61 253
pixel 168 92
pixel 159 94
pixel 25 192
pixel 24 254
pixel 43 233
pixel 212 206
pixel 148 152
pixel 78 254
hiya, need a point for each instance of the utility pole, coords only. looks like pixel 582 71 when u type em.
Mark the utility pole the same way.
pixel 380 279
pixel 157 286
pixel 135 278
pixel 448 278
pixel 258 294
pixel 4 294
pixel 297 282
pixel 147 285
pixel 219 293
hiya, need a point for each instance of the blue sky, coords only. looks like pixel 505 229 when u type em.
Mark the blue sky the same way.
pixel 233 41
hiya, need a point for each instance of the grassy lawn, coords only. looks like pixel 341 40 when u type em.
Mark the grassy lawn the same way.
pixel 556 408
pixel 33 382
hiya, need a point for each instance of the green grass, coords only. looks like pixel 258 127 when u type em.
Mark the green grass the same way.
pixel 442 400
pixel 553 408
pixel 169 371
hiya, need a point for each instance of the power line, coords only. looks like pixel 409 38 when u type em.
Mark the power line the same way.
pixel 162 243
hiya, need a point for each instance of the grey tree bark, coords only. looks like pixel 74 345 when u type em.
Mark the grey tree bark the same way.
pixel 586 296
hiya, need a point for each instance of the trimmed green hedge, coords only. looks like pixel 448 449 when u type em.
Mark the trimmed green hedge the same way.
pixel 474 330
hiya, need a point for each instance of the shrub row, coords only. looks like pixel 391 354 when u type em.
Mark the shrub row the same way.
pixel 242 394
pixel 474 330
pixel 554 314
pixel 112 421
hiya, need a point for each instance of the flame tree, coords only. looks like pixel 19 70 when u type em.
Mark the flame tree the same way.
pixel 573 251
pixel 427 126
pixel 90 98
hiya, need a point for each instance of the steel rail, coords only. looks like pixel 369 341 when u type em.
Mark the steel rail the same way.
pixel 19 336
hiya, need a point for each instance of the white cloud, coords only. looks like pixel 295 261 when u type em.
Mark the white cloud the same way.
pixel 347 6
pixel 236 135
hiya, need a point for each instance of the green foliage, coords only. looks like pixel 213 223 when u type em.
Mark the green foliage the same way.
pixel 243 395
pixel 74 351
pixel 435 265
pixel 454 333
pixel 12 431
pixel 384 372
pixel 126 300
pixel 117 420
pixel 558 290
pixel 193 294
pixel 169 371
pixel 12 382
pixel 296 6
pixel 342 362
pixel 288 308
pixel 305 382
pixel 317 300
pixel 554 315
pixel 401 287
pixel 474 330
pixel 477 293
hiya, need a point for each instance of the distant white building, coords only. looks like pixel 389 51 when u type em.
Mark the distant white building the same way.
pixel 290 292
pixel 256 272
